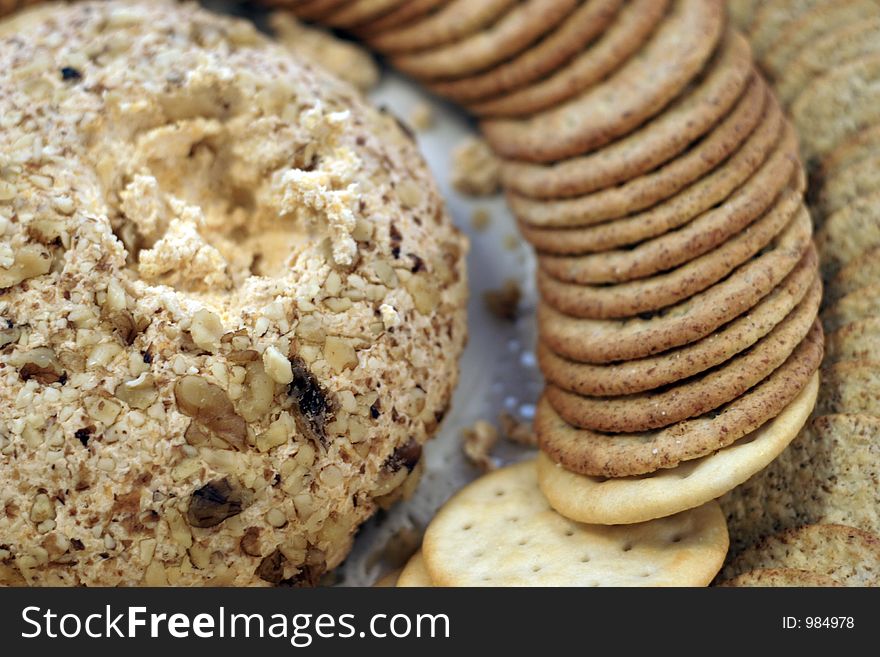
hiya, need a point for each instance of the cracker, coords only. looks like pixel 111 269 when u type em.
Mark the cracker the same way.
pixel 781 577
pixel 846 185
pixel 640 89
pixel 647 190
pixel 785 229
pixel 848 233
pixel 500 531
pixel 827 53
pixel 622 39
pixel 855 341
pixel 854 150
pixel 389 580
pixel 693 115
pixel 771 17
pixel 632 376
pixel 838 105
pixel 701 197
pixel 314 10
pixel 676 247
pixel 861 271
pixel 846 554
pixel 827 475
pixel 664 492
pixel 850 386
pixel 455 20
pixel 742 11
pixel 583 26
pixel 518 29
pixel 604 341
pixel 697 395
pixel 408 12
pixel 858 305
pixel 359 12
pixel 414 573
pixel 809 27
pixel 595 454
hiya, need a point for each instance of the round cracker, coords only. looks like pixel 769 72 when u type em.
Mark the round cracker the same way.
pixel 781 577
pixel 849 555
pixel 838 105
pixel 500 531
pixel 518 29
pixel 414 573
pixel 848 233
pixel 388 580
pixel 407 13
pixel 595 454
pixel 701 197
pixel 662 493
pixel 648 190
pixel 696 396
pixel 786 226
pixel 632 376
pixel 605 341
pixel 846 185
pixel 770 20
pixel 856 341
pixel 811 26
pixel 622 40
pixel 676 247
pixel 586 23
pixel 827 53
pixel 456 20
pixel 359 12
pixel 640 89
pixel 861 271
pixel 697 111
pixel 314 10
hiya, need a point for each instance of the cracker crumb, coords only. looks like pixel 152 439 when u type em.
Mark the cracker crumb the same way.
pixel 422 117
pixel 517 431
pixel 475 169
pixel 342 58
pixel 479 440
pixel 480 219
pixel 504 303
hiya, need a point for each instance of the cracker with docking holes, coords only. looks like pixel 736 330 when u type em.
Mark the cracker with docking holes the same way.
pixel 692 483
pixel 500 531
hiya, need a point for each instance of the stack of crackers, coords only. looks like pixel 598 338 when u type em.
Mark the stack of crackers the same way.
pixel 654 171
pixel 824 66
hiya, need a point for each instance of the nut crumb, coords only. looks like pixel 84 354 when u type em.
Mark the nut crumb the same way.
pixel 422 117
pixel 517 431
pixel 480 219
pixel 479 441
pixel 475 169
pixel 504 303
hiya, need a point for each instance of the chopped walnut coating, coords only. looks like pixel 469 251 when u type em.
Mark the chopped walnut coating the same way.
pixel 230 297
